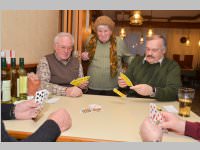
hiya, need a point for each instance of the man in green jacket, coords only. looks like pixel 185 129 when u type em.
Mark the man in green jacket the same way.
pixel 153 75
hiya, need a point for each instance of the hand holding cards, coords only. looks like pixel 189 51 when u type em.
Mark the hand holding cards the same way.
pixel 40 97
pixel 79 81
pixel 126 79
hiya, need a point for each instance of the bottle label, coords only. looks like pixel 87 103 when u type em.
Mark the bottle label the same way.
pixel 23 84
pixel 17 87
pixel 6 90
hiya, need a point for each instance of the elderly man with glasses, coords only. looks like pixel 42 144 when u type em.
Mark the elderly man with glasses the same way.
pixel 58 69
pixel 153 75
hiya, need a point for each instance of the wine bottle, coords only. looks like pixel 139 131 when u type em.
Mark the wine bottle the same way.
pixel 14 80
pixel 5 83
pixel 22 80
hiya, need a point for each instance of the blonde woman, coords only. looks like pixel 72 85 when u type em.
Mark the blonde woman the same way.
pixel 104 51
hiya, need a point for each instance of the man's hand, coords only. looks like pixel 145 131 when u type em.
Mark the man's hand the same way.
pixel 62 118
pixel 173 122
pixel 74 91
pixel 121 83
pixel 143 89
pixel 150 132
pixel 84 85
pixel 85 56
pixel 26 110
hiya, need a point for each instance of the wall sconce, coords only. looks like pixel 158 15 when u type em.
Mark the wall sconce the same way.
pixel 187 43
pixel 199 43
pixel 122 33
pixel 150 33
pixel 136 18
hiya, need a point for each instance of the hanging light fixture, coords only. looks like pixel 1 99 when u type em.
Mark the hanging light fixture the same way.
pixel 136 18
pixel 150 30
pixel 141 39
pixel 187 43
pixel 122 33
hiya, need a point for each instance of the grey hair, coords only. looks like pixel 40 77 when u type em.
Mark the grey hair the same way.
pixel 157 36
pixel 63 34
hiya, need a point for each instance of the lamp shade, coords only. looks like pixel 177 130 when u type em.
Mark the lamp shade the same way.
pixel 136 18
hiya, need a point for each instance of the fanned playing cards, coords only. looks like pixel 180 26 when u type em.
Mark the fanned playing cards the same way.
pixel 155 114
pixel 126 79
pixel 79 81
pixel 41 96
pixel 119 93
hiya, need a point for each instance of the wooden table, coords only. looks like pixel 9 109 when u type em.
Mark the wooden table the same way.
pixel 119 119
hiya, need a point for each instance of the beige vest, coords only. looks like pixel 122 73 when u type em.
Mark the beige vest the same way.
pixel 62 74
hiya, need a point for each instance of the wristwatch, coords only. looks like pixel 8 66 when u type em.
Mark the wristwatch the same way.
pixel 153 92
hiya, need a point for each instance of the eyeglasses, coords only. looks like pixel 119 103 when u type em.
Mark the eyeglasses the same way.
pixel 153 49
pixel 64 47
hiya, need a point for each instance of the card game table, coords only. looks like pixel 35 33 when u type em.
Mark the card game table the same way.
pixel 119 120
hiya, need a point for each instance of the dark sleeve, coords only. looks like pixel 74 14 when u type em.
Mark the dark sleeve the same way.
pixel 7 111
pixel 48 132
pixel 192 129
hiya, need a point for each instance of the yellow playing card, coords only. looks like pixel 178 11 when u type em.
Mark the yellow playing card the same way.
pixel 79 81
pixel 119 93
pixel 126 79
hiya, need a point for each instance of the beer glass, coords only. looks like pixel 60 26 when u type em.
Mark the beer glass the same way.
pixel 33 84
pixel 185 96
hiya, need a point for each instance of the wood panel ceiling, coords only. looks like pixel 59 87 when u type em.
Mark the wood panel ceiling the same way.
pixel 156 18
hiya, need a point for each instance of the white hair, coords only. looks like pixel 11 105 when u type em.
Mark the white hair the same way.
pixel 157 36
pixel 63 34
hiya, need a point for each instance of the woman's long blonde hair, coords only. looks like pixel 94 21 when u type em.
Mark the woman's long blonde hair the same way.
pixel 91 47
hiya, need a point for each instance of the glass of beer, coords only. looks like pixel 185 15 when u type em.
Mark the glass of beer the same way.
pixel 185 96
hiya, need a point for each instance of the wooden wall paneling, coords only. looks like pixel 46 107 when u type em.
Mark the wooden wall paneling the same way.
pixel 64 21
pixel 69 19
pixel 81 27
pixel 75 25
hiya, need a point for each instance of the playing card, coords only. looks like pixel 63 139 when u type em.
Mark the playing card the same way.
pixel 94 107
pixel 90 108
pixel 154 114
pixel 119 93
pixel 126 79
pixel 79 81
pixel 41 96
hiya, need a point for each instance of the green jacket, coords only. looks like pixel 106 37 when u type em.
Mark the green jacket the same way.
pixel 164 76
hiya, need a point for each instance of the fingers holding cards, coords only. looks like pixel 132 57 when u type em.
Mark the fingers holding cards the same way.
pixel 41 96
pixel 126 79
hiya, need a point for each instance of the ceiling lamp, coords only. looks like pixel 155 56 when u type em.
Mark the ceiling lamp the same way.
pixel 150 33
pixel 136 18
pixel 141 39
